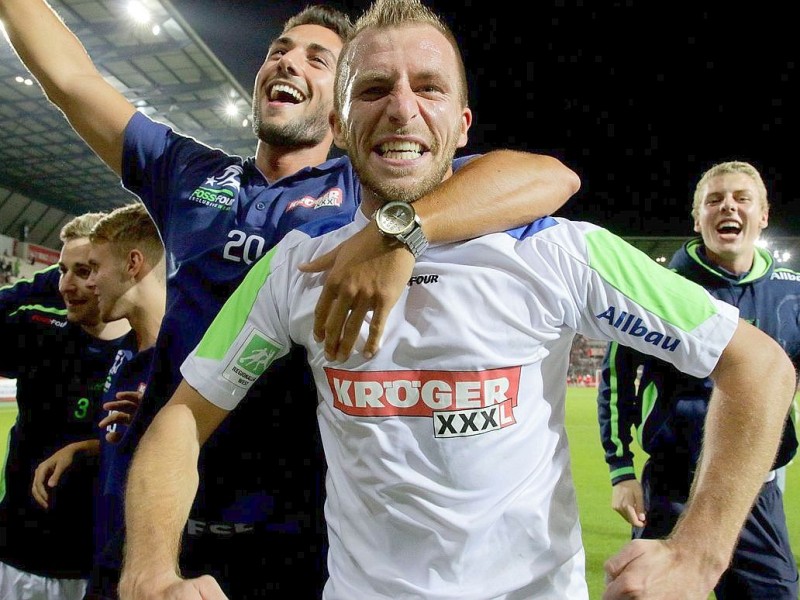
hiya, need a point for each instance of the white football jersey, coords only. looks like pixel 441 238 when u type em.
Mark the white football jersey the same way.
pixel 449 470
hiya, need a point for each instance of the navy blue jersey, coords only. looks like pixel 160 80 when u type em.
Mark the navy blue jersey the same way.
pixel 129 372
pixel 217 215
pixel 669 409
pixel 60 370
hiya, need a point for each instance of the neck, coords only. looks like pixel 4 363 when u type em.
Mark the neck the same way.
pixel 276 162
pixel 146 326
pixel 148 311
pixel 370 202
pixel 733 263
pixel 108 331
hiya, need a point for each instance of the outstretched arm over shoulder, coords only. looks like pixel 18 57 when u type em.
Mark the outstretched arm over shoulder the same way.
pixel 499 190
pixel 161 487
pixel 493 192
pixel 69 79
pixel 742 431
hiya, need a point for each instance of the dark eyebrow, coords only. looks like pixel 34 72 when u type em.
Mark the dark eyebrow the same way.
pixel 320 49
pixel 286 41
pixel 283 41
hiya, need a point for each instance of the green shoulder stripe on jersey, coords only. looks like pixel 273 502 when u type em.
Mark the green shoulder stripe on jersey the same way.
pixel 59 312
pixel 662 292
pixel 229 321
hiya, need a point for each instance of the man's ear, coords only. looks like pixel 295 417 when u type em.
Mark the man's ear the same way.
pixel 135 264
pixel 466 123
pixel 339 136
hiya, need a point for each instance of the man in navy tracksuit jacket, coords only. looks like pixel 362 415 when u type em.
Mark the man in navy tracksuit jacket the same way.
pixel 668 408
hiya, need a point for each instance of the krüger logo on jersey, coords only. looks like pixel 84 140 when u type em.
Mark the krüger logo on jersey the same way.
pixel 331 197
pixel 461 403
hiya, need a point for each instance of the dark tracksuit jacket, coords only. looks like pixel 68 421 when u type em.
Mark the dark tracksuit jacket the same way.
pixel 669 411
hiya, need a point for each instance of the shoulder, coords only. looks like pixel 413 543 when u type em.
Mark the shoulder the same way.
pixel 783 274
pixel 144 135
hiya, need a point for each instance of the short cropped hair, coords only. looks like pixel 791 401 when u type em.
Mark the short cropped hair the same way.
pixel 725 168
pixel 383 14
pixel 80 227
pixel 127 228
pixel 324 16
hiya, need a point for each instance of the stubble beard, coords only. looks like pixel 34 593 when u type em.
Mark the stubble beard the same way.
pixel 304 132
pixel 388 190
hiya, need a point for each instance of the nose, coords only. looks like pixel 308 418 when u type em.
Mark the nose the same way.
pixel 402 106
pixel 728 203
pixel 288 63
pixel 66 282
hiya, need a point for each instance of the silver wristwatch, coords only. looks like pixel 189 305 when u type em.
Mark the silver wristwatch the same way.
pixel 399 220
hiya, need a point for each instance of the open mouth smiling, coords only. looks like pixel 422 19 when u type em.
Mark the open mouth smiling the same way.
pixel 729 227
pixel 284 92
pixel 400 150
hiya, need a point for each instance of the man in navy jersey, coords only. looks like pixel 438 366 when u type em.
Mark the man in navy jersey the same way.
pixel 128 278
pixel 60 354
pixel 217 215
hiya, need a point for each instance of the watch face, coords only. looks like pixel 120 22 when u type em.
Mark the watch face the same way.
pixel 395 217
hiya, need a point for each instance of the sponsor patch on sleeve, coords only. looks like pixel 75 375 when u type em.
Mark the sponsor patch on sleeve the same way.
pixel 251 360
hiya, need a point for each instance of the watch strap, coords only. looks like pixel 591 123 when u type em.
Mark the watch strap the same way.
pixel 415 239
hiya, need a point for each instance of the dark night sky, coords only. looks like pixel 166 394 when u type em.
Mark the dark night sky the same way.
pixel 639 98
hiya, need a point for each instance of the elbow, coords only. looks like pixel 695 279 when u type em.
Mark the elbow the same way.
pixel 781 369
pixel 566 178
pixel 790 373
pixel 572 181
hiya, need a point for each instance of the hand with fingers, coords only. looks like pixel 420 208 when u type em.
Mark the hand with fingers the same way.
pixel 627 499
pixel 49 472
pixel 365 274
pixel 169 586
pixel 658 570
pixel 120 412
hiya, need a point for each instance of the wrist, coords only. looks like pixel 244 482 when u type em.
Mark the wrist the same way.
pixel 399 221
pixel 707 559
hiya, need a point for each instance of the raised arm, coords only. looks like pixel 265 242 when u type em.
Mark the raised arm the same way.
pixel 40 289
pixel 493 192
pixel 161 487
pixel 69 79
pixel 743 428
pixel 618 413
